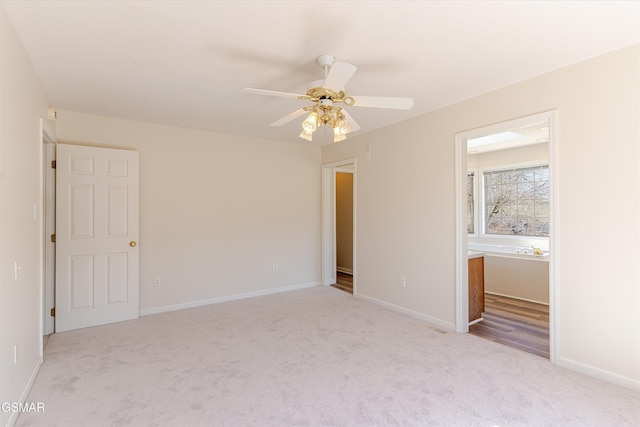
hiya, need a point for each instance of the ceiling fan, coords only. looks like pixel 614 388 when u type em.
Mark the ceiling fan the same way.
pixel 325 94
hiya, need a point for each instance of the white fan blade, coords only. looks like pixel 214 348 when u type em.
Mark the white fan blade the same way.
pixel 383 102
pixel 354 126
pixel 288 118
pixel 339 75
pixel 271 93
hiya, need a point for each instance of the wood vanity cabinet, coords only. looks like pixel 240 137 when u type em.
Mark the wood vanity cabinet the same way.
pixel 476 288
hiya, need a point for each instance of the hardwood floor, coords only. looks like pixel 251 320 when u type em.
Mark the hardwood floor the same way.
pixel 344 282
pixel 520 324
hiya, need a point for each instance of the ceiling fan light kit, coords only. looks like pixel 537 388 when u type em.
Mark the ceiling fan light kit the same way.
pixel 324 94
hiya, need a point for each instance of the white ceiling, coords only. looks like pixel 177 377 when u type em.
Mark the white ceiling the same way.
pixel 185 63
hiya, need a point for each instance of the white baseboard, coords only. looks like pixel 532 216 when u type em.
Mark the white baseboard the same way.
pixel 156 310
pixel 591 371
pixel 478 320
pixel 521 299
pixel 25 392
pixel 601 374
pixel 432 320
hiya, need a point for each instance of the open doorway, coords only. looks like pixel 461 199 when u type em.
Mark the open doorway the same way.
pixel 504 209
pixel 344 228
pixel 338 225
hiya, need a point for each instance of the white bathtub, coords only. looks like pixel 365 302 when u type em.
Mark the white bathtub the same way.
pixel 514 271
pixel 510 251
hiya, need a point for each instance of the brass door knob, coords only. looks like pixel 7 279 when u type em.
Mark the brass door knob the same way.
pixel 132 244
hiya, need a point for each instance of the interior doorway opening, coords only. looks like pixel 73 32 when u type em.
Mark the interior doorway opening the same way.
pixel 338 225
pixel 512 314
pixel 344 228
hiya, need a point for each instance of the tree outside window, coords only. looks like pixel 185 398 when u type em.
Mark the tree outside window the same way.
pixel 516 201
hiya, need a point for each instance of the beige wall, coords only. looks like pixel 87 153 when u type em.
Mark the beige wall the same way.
pixel 526 279
pixel 406 221
pixel 344 221
pixel 526 154
pixel 216 211
pixel 23 101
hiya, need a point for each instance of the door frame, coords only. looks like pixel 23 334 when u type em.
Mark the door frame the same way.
pixel 49 219
pixel 348 169
pixel 47 214
pixel 462 285
pixel 328 253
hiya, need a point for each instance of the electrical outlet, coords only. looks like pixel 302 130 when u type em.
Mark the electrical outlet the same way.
pixel 15 354
pixel 275 268
pixel 156 281
pixel 403 281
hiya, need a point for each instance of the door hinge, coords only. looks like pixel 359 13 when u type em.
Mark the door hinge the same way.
pixel 53 164
pixel 53 238
pixel 53 312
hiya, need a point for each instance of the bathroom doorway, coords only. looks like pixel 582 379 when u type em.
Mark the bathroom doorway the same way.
pixel 339 225
pixel 344 228
pixel 504 210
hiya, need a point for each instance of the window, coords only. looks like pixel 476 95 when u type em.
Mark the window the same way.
pixel 516 201
pixel 470 202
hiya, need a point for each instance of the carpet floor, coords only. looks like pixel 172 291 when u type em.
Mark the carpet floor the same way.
pixel 311 357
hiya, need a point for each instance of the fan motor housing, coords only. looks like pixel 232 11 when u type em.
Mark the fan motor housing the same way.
pixel 322 93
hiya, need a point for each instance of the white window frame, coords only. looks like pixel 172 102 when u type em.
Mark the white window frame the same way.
pixel 476 199
pixel 480 210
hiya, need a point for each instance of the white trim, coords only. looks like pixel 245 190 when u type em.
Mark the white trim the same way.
pixel 47 225
pixel 41 238
pixel 553 242
pixel 40 210
pixel 354 189
pixel 167 308
pixel 462 238
pixel 599 373
pixel 329 261
pixel 25 392
pixel 343 169
pixel 328 254
pixel 510 240
pixel 478 320
pixel 432 320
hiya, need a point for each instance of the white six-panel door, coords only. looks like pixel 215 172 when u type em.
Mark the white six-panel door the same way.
pixel 96 236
